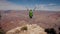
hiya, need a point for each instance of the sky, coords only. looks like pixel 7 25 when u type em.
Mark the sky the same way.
pixel 51 5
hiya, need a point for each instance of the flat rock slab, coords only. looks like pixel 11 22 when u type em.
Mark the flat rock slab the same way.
pixel 31 29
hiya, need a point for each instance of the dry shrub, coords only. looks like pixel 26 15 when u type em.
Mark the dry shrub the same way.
pixel 1 31
pixel 50 31
pixel 24 28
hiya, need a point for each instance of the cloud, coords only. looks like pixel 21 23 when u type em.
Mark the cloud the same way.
pixel 2 0
pixel 5 5
pixel 51 4
pixel 49 7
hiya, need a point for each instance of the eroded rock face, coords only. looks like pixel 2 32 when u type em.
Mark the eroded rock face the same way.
pixel 31 29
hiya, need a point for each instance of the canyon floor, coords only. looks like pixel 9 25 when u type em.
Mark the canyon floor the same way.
pixel 13 18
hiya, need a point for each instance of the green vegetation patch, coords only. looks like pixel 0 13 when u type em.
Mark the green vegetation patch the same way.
pixel 1 31
pixel 50 31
